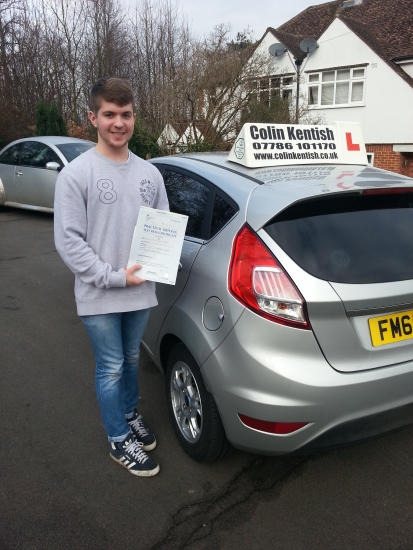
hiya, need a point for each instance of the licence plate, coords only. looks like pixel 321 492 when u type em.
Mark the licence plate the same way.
pixel 391 328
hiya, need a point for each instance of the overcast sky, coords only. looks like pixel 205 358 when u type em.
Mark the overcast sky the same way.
pixel 203 15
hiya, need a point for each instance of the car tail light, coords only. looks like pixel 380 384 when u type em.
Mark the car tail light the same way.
pixel 257 280
pixel 279 428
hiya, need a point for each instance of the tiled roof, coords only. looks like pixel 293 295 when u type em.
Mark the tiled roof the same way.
pixel 390 21
pixel 310 23
pixel 386 26
pixel 180 127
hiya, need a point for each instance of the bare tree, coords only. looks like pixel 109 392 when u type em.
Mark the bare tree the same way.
pixel 162 45
pixel 12 116
pixel 53 50
pixel 65 25
pixel 107 35
pixel 216 85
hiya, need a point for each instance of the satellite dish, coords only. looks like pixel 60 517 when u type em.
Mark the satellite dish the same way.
pixel 308 45
pixel 276 50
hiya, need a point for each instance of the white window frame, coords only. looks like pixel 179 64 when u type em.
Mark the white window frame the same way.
pixel 370 159
pixel 331 78
pixel 267 86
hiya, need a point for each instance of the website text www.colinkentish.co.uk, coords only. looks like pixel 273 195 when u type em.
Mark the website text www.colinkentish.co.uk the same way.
pixel 295 156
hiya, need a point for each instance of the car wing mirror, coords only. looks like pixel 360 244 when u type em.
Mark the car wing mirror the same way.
pixel 53 166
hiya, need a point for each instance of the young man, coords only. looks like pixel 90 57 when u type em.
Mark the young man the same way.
pixel 97 201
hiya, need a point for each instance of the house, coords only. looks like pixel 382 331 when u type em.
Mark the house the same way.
pixel 180 136
pixel 360 70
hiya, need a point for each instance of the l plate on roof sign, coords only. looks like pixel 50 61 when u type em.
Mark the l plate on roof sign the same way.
pixel 260 145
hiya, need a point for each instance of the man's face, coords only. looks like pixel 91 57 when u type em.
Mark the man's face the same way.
pixel 114 124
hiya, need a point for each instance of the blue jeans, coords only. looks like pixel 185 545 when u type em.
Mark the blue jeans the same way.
pixel 116 338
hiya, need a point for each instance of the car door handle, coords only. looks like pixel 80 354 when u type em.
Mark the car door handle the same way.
pixel 179 266
pixel 19 173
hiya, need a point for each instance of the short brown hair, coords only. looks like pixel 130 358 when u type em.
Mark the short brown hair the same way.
pixel 111 89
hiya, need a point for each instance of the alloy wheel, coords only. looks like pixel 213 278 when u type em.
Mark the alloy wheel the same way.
pixel 186 401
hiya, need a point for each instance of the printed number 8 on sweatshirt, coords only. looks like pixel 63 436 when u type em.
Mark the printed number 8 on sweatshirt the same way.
pixel 107 192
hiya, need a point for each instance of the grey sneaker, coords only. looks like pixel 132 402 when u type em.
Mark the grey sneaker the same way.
pixel 129 453
pixel 141 432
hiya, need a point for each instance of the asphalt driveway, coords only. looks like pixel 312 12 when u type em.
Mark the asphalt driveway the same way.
pixel 60 490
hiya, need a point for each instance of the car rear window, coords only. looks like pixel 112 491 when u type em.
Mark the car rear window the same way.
pixel 351 238
pixel 73 150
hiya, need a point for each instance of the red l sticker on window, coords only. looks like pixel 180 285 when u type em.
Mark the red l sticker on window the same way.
pixel 350 145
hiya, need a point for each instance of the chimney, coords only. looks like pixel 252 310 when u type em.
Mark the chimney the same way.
pixel 351 3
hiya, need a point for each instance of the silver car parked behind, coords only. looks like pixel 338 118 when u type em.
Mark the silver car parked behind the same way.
pixel 290 327
pixel 29 169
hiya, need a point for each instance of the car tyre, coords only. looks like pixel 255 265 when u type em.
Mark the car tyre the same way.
pixel 193 411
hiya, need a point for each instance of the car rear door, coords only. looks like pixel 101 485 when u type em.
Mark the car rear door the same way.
pixel 187 195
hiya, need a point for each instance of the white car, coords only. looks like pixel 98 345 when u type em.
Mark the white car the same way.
pixel 29 169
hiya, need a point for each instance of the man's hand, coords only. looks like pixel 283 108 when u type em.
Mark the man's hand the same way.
pixel 131 280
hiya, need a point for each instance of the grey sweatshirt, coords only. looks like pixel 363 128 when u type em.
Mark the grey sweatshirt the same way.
pixel 97 201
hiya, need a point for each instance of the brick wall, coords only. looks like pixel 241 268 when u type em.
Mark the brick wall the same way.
pixel 387 159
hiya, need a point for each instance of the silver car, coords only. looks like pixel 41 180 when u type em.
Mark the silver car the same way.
pixel 29 169
pixel 290 327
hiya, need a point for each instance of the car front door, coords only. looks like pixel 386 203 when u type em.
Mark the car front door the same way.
pixel 35 184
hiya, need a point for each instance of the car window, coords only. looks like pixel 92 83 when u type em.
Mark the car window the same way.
pixel 363 238
pixel 10 155
pixel 221 214
pixel 37 154
pixel 73 150
pixel 187 196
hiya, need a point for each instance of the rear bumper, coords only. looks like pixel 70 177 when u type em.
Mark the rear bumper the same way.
pixel 278 374
pixel 361 429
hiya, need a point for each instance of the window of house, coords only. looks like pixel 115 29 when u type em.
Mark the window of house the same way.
pixel 274 86
pixel 370 159
pixel 337 88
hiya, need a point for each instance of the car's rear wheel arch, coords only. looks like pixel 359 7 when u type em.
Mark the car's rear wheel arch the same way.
pixel 202 434
pixel 169 341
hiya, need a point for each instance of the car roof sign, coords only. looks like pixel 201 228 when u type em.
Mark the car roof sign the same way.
pixel 259 145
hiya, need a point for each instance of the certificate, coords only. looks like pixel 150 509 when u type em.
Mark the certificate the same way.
pixel 157 244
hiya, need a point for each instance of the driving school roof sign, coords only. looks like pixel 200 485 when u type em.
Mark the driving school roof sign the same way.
pixel 260 145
